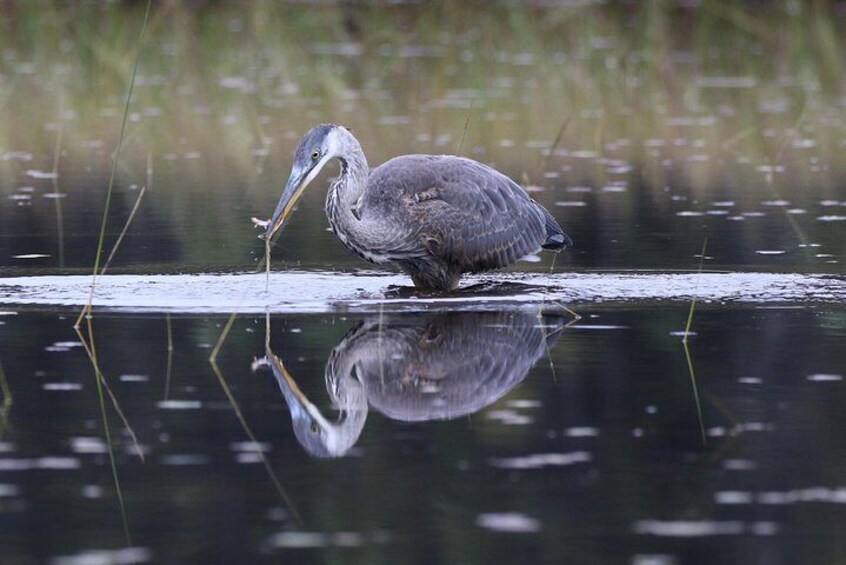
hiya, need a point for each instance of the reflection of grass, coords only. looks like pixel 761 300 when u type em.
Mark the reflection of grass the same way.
pixel 6 405
pixel 91 350
pixel 169 369
pixel 283 494
pixel 687 352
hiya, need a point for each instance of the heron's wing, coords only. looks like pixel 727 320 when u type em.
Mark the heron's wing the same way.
pixel 473 216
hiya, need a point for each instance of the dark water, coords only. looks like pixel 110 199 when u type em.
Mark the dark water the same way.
pixel 465 437
pixel 375 425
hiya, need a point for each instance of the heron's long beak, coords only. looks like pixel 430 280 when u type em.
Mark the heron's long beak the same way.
pixel 294 188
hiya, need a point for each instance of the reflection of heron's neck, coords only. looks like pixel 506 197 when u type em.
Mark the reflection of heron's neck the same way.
pixel 343 434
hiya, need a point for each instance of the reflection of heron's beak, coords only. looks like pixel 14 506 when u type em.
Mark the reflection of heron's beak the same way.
pixel 294 188
pixel 298 403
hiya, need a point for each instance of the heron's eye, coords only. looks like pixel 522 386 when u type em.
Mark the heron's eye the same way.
pixel 314 427
pixel 315 155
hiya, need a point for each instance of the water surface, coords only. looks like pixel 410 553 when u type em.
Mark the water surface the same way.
pixel 693 151
pixel 592 449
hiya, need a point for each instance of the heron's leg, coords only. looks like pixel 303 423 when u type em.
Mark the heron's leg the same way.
pixel 431 274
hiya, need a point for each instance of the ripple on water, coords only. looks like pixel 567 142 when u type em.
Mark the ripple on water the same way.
pixel 511 522
pixel 703 528
pixel 824 378
pixel 299 291
pixel 541 460
pixel 63 387
pixel 306 540
pixel 184 460
pixel 89 445
pixel 179 404
pixel 509 417
pixel 9 490
pixel 101 556
pixel 50 463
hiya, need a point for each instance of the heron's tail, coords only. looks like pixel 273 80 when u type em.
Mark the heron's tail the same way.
pixel 556 239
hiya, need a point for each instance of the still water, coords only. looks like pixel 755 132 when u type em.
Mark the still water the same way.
pixel 430 437
pixel 552 412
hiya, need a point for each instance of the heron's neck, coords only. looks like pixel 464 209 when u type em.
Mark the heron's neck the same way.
pixel 353 177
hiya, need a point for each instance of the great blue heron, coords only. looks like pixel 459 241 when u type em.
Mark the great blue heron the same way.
pixel 435 216
pixel 416 368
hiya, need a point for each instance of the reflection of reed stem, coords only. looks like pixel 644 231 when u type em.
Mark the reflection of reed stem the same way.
pixel 91 351
pixel 101 383
pixel 169 369
pixel 237 409
pixel 556 142
pixel 690 370
pixel 6 406
pixel 222 337
pixel 131 213
pixel 466 125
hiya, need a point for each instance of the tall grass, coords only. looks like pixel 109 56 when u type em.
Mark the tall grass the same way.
pixel 87 337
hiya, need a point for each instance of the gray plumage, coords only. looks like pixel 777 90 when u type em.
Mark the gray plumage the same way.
pixel 417 368
pixel 436 217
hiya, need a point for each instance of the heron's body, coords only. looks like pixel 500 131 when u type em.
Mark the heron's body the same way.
pixel 436 217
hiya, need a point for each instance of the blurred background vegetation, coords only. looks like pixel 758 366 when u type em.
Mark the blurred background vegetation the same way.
pixel 663 107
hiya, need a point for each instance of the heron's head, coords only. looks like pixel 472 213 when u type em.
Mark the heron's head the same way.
pixel 320 145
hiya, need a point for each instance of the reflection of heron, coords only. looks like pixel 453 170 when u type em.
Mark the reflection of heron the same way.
pixel 435 216
pixel 415 368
